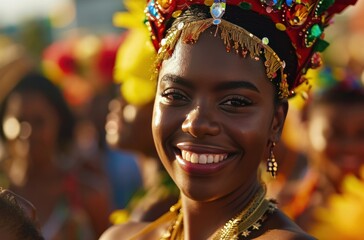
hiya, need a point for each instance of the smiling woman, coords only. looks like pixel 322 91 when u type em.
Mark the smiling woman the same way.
pixel 225 70
pixel 224 113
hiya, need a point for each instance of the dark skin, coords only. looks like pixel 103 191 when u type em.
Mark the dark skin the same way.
pixel 18 215
pixel 215 103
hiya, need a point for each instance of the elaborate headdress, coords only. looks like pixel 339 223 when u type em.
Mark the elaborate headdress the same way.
pixel 303 21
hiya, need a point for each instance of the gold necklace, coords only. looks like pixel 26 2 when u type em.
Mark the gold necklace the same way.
pixel 248 220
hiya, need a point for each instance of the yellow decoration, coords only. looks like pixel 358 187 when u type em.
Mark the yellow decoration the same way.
pixel 164 3
pixel 138 91
pixel 133 67
pixel 303 90
pixel 119 216
pixel 52 71
pixel 132 19
pixel 209 2
pixel 176 14
pixel 281 27
pixel 300 15
pixel 343 217
pixel 136 55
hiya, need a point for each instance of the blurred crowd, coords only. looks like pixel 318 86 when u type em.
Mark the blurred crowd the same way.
pixel 76 144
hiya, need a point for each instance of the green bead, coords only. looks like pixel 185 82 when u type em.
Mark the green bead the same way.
pixel 320 45
pixel 316 31
pixel 245 6
pixel 324 5
pixel 265 41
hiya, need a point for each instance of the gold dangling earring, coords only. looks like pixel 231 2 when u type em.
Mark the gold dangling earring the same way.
pixel 272 165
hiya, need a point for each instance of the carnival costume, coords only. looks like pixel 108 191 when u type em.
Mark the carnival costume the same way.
pixel 300 22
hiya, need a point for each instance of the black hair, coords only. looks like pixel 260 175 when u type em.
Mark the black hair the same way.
pixel 14 220
pixel 35 82
pixel 336 96
pixel 258 25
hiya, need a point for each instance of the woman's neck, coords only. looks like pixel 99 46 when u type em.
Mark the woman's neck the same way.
pixel 202 219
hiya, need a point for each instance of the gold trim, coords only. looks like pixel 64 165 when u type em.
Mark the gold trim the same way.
pixel 234 37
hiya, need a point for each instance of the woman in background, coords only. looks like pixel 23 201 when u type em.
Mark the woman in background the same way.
pixel 130 118
pixel 37 134
pixel 333 119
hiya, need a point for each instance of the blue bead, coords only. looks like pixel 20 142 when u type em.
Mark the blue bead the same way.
pixel 289 2
pixel 152 10
pixel 216 21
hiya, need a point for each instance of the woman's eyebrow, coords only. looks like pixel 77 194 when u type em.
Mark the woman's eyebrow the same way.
pixel 220 87
pixel 236 84
pixel 177 79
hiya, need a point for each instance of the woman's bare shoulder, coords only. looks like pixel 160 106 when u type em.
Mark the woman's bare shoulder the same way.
pixel 282 228
pixel 123 231
pixel 283 234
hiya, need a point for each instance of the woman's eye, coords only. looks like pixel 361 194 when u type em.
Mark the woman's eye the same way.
pixel 174 96
pixel 237 101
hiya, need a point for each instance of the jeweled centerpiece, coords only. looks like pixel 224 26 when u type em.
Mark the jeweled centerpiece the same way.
pixel 217 10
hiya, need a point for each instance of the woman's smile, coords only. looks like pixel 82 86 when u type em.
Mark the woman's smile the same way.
pixel 206 158
pixel 202 159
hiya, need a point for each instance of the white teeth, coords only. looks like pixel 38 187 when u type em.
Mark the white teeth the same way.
pixel 194 158
pixel 187 156
pixel 202 158
pixel 210 159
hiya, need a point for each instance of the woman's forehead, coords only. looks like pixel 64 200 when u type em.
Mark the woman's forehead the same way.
pixel 208 58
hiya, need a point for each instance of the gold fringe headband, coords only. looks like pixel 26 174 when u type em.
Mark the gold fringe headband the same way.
pixel 235 37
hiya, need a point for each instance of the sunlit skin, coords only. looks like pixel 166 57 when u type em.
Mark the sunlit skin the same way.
pixel 209 101
pixel 342 133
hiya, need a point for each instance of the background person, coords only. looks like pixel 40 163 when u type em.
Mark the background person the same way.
pixel 129 121
pixel 37 136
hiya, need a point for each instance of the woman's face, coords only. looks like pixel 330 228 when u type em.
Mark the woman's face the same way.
pixel 217 109
pixel 40 121
pixel 336 134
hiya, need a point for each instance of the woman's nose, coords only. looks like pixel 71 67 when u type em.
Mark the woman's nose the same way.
pixel 200 122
